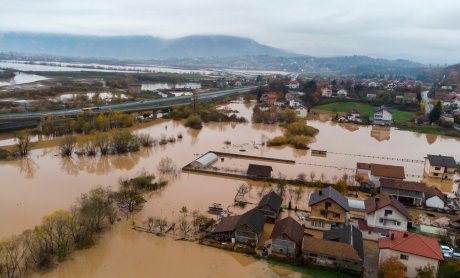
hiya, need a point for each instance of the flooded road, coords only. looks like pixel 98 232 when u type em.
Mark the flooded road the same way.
pixel 44 182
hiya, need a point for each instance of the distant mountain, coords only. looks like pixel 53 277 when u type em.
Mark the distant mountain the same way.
pixel 134 47
pixel 214 51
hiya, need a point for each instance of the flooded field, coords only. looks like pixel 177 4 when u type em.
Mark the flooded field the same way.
pixel 21 78
pixel 44 182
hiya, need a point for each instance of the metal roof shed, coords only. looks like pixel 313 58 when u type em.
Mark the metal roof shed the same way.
pixel 205 160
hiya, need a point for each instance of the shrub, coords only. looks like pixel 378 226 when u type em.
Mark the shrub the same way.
pixel 278 141
pixel 194 121
pixel 300 141
pixel 301 128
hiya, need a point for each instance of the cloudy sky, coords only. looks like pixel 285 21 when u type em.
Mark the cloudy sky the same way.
pixel 422 30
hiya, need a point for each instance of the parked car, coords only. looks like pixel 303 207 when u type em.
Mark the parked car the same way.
pixel 447 251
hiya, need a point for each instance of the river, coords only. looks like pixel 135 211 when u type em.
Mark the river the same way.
pixel 21 78
pixel 44 182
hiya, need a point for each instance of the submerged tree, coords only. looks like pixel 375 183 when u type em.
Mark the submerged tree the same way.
pixel 23 142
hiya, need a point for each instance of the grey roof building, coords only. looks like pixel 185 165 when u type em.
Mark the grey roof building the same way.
pixel 348 234
pixel 329 193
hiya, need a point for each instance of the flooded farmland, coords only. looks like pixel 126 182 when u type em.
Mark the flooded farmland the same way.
pixel 44 182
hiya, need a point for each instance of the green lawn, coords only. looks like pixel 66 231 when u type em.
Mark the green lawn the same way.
pixel 364 109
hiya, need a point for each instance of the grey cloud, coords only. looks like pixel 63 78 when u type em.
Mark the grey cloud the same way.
pixel 423 30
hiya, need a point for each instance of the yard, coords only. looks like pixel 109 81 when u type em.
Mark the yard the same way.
pixel 365 110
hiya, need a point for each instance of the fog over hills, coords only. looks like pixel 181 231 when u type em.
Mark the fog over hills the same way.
pixel 134 47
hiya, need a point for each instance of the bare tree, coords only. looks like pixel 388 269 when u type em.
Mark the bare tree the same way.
pixel 323 177
pixel 243 189
pixel 184 211
pixel 166 166
pixel 301 176
pixel 312 175
pixel 23 143
pixel 185 226
pixel 161 223
pixel 150 223
pixel 67 145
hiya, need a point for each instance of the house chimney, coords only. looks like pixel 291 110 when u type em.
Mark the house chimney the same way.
pixel 320 192
pixel 392 236
pixel 406 234
pixel 377 199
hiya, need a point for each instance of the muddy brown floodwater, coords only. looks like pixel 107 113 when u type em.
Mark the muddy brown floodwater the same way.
pixel 33 187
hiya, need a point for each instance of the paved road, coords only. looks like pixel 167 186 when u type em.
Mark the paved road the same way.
pixel 128 106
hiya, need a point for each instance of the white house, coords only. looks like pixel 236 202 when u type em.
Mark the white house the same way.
pixel 326 92
pixel 354 116
pixel 342 93
pixel 294 84
pixel 434 198
pixel 383 116
pixel 385 212
pixel 301 111
pixel 413 250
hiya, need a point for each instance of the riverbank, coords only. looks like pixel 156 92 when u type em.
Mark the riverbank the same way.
pixel 403 120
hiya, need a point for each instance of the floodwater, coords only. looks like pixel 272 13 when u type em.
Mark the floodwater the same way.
pixel 44 182
pixel 21 78
pixel 69 67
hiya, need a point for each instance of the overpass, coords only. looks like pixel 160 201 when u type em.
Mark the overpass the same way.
pixel 17 120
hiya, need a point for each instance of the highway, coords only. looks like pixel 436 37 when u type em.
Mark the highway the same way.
pixel 125 107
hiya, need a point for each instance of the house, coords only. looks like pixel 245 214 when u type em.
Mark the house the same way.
pixel 330 253
pixel 440 167
pixel 354 116
pixel 301 111
pixel 134 88
pixel 410 97
pixel 342 93
pixel 269 98
pixel 246 228
pixel 371 233
pixel 294 96
pixel 384 211
pixel 371 96
pixel 383 116
pixel 407 192
pixel 328 208
pixel 377 171
pixel 294 84
pixel 326 92
pixel 286 237
pixel 413 250
pixel 270 205
pixel 264 107
pixel 349 235
pixel 259 171
pixel 434 198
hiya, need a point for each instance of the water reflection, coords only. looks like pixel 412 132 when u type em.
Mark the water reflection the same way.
pixel 381 133
pixel 27 167
pixel 431 138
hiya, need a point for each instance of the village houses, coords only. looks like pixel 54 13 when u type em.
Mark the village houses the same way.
pixel 375 172
pixel 286 238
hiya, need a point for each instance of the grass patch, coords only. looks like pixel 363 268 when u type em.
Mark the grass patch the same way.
pixel 343 107
pixel 365 110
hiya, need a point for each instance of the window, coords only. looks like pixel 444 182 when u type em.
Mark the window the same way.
pixel 324 213
pixel 437 168
pixel 436 174
pixel 404 257
pixel 369 232
pixel 381 220
pixel 327 205
pixel 337 215
pixel 388 212
pixel 398 223
pixel 313 255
